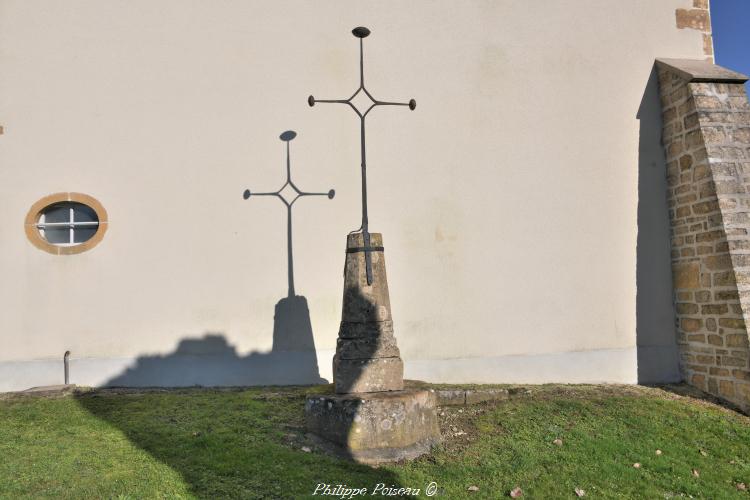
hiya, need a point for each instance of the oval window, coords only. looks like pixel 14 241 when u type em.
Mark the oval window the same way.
pixel 66 223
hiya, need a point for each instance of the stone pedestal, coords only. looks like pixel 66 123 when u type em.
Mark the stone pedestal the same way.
pixel 371 418
pixel 367 357
pixel 376 427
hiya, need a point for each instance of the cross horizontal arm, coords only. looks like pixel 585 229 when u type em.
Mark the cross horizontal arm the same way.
pixel 267 194
pixel 312 100
pixel 247 194
pixel 412 103
pixel 303 193
pixel 385 103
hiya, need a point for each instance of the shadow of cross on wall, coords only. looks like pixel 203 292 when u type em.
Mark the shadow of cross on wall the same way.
pixel 292 329
pixel 211 361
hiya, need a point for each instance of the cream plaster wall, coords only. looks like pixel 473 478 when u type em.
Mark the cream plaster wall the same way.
pixel 507 200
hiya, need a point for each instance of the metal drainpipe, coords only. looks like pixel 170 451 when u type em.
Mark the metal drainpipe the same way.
pixel 67 367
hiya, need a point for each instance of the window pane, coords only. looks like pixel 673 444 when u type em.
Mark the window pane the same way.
pixel 57 235
pixel 57 213
pixel 82 213
pixel 81 234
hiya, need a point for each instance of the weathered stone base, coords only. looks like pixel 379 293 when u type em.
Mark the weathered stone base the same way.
pixel 378 427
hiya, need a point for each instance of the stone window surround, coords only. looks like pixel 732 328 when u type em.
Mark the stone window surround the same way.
pixel 36 239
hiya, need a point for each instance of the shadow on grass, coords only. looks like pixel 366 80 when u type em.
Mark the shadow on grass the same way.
pixel 245 443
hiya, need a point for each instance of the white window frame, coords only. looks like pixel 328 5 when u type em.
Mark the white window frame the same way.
pixel 41 225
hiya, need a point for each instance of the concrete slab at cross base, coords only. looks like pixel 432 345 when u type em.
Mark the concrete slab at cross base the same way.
pixel 368 375
pixel 378 427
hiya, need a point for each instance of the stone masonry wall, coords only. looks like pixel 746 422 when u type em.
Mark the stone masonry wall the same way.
pixel 698 18
pixel 706 136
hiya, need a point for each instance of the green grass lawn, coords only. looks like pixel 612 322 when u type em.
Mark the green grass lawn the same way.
pixel 248 444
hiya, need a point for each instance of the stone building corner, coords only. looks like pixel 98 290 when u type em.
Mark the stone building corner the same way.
pixel 706 136
pixel 698 18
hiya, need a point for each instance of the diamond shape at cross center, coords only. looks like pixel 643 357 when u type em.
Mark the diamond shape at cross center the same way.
pixel 362 101
pixel 288 193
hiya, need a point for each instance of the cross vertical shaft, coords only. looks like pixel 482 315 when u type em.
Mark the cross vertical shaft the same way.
pixel 362 33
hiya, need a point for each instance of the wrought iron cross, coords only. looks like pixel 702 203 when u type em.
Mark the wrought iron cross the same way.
pixel 361 33
pixel 287 137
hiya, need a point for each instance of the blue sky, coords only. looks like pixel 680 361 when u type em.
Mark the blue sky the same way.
pixel 730 20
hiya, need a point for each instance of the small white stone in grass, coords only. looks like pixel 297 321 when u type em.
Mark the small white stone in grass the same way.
pixel 306 449
pixel 741 486
pixel 696 473
pixel 637 465
pixel 579 492
pixel 658 452
pixel 473 488
pixel 557 442
pixel 516 492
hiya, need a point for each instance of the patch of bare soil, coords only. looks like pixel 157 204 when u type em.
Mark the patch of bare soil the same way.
pixel 458 424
